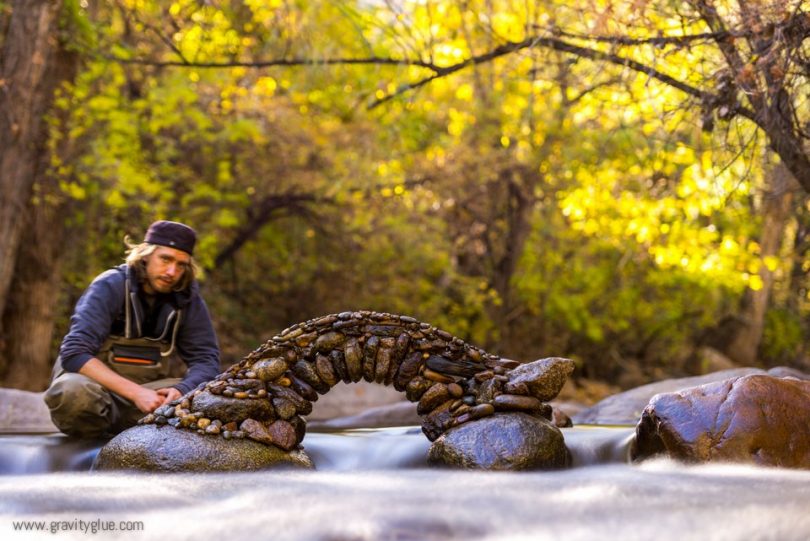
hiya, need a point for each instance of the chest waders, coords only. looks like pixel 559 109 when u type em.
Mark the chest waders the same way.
pixel 141 359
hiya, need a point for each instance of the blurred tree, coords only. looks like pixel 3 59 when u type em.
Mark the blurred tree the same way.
pixel 583 180
pixel 34 63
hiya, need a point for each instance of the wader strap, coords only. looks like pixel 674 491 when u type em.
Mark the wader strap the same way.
pixel 179 314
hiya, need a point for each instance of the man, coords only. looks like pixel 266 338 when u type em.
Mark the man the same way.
pixel 113 364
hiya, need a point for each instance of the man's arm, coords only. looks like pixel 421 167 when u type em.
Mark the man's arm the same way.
pixel 144 399
pixel 197 345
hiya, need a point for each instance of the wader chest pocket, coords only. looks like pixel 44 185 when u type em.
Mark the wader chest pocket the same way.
pixel 135 355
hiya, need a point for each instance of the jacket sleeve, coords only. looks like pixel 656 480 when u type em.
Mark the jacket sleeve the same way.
pixel 197 345
pixel 92 320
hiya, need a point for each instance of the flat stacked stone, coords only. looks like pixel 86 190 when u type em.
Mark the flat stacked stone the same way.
pixel 266 395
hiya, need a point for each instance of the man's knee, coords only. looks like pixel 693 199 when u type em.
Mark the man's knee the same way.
pixel 80 406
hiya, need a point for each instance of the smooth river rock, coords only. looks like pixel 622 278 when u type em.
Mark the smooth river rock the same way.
pixel 153 448
pixel 503 441
pixel 625 408
pixel 756 419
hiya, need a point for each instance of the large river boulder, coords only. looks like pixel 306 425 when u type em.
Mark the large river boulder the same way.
pixel 24 412
pixel 757 419
pixel 503 441
pixel 626 408
pixel 165 449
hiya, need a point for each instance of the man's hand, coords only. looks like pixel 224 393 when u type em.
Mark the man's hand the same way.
pixel 168 394
pixel 147 400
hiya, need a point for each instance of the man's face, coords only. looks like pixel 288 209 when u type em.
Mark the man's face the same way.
pixel 164 269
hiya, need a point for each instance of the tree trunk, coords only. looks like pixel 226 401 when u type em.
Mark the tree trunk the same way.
pixel 31 308
pixel 27 84
pixel 801 247
pixel 744 343
pixel 29 312
pixel 519 203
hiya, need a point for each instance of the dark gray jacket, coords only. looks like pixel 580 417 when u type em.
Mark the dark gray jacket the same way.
pixel 100 313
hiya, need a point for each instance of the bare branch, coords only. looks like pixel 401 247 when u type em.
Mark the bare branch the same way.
pixel 681 40
pixel 288 62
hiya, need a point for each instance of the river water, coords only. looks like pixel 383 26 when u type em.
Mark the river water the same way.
pixel 373 485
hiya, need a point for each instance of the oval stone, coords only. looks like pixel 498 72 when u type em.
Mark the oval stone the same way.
pixel 231 409
pixel 270 369
pixel 165 449
pixel 504 441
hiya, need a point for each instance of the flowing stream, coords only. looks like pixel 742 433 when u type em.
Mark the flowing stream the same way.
pixel 373 484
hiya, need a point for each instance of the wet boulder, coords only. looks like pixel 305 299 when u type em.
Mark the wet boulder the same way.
pixel 625 408
pixel 503 441
pixel 166 449
pixel 756 419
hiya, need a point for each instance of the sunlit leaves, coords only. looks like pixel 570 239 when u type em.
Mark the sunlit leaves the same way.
pixel 634 214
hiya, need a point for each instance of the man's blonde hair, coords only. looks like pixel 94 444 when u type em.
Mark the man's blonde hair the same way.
pixel 136 258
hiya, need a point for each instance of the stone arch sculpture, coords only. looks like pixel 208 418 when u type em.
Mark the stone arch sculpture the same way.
pixel 266 396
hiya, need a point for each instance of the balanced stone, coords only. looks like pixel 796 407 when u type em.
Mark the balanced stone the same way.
pixel 231 409
pixel 271 369
pixel 434 396
pixel 263 396
pixel 325 370
pixel 353 355
pixel 544 378
pixel 516 402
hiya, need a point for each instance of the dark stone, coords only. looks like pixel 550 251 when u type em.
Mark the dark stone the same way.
pixel 302 388
pixel 625 408
pixel 516 402
pixel 384 359
pixel 391 331
pixel 284 408
pixel 231 409
pixel 560 418
pixel 325 370
pixel 408 370
pixel 462 368
pixel 401 347
pixel 544 378
pixel 504 441
pixel 455 390
pixel 417 387
pixel 436 376
pixel 757 419
pixel 434 396
pixel 369 356
pixel 330 340
pixel 283 434
pixel 487 390
pixel 437 421
pixel 302 405
pixel 339 363
pixel 353 354
pixel 166 449
pixel 306 372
